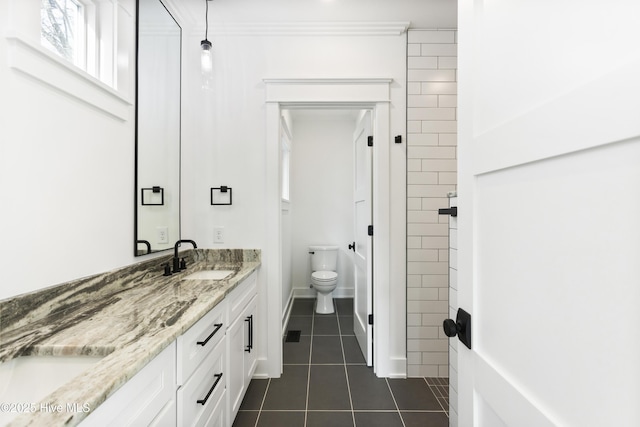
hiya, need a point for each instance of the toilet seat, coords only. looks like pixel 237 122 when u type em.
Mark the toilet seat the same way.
pixel 324 276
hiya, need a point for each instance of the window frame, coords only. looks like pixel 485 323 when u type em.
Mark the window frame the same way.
pixel 115 19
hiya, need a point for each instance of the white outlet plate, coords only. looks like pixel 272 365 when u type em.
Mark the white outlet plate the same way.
pixel 163 234
pixel 218 234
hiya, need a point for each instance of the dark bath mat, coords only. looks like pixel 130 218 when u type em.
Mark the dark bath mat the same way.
pixel 292 336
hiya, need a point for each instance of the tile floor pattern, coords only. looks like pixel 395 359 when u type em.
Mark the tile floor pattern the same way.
pixel 326 383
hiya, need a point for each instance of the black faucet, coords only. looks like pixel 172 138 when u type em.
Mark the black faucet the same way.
pixel 176 260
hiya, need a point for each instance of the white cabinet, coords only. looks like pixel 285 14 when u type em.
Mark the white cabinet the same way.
pixel 201 370
pixel 200 379
pixel 242 356
pixel 147 399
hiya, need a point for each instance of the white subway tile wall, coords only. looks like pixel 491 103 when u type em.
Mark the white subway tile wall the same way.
pixel 431 168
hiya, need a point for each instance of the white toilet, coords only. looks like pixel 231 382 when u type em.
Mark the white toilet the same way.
pixel 324 278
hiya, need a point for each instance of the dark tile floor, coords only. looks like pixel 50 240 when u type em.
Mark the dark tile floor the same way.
pixel 326 383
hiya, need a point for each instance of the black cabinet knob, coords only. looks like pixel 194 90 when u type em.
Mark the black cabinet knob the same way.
pixel 352 246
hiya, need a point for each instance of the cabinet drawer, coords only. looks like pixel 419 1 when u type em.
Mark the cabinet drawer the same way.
pixel 195 344
pixel 241 295
pixel 218 417
pixel 203 391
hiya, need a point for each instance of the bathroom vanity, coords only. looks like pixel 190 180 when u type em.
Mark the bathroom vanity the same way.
pixel 174 350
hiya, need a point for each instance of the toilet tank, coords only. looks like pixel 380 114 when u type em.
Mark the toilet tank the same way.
pixel 324 258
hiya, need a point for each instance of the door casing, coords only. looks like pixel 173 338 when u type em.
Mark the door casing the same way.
pixel 373 94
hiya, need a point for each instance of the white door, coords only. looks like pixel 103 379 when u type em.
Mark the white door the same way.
pixel 549 212
pixel 363 248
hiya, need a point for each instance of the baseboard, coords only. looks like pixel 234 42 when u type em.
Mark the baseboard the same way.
pixel 398 367
pixel 261 372
pixel 287 312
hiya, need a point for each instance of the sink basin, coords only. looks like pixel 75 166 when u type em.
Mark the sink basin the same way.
pixel 209 275
pixel 29 379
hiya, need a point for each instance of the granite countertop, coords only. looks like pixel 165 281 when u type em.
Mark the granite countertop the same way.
pixel 129 315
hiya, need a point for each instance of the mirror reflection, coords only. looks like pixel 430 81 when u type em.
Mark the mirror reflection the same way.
pixel 157 222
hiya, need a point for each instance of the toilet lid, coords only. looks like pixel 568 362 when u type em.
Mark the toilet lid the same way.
pixel 324 275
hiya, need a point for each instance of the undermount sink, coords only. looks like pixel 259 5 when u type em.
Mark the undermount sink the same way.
pixel 209 275
pixel 29 379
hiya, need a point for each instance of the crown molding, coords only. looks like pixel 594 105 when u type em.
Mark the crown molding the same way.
pixel 306 28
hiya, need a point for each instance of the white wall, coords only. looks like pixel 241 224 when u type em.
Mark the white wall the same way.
pixel 66 165
pixel 228 148
pixel 322 195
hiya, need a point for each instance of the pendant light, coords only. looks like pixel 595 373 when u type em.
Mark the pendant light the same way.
pixel 206 60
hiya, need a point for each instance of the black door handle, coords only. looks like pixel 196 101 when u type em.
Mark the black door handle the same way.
pixel 453 211
pixel 461 327
pixel 352 246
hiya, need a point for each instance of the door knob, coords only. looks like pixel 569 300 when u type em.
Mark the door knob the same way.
pixel 460 327
pixel 352 246
pixel 451 328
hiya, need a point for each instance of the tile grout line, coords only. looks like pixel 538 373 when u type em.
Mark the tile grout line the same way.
pixel 395 402
pixel 264 397
pixel 306 407
pixel 436 396
pixel 344 360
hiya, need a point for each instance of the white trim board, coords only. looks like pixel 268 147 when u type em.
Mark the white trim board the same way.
pixel 304 28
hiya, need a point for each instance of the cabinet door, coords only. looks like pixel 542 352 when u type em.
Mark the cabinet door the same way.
pixel 251 353
pixel 219 417
pixel 236 343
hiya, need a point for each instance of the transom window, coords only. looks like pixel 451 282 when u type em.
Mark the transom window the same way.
pixel 62 31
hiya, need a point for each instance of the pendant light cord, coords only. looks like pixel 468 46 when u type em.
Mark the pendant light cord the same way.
pixel 206 19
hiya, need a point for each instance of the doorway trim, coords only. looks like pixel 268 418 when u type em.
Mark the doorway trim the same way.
pixel 367 93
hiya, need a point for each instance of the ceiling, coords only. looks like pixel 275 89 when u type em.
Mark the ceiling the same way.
pixel 426 14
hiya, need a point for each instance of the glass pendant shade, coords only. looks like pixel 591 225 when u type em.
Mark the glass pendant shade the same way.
pixel 206 61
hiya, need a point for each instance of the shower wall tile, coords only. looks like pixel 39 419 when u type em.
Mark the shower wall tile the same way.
pixel 432 36
pixel 422 62
pixel 439 49
pixel 432 174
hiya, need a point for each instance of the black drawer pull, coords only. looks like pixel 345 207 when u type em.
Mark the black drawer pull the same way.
pixel 203 401
pixel 453 211
pixel 203 343
pixel 249 319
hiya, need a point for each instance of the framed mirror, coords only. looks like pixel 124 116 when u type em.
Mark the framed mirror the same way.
pixel 157 175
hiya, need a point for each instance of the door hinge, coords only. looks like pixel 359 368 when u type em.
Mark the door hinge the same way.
pixel 371 319
pixel 370 141
pixel 370 230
